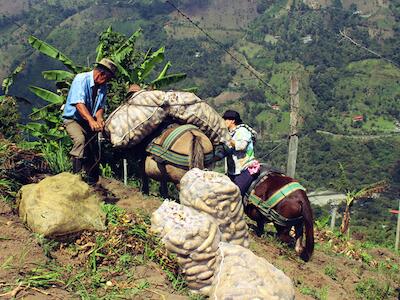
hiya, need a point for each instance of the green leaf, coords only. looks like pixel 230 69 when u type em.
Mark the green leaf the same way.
pixel 58 75
pixel 163 73
pixel 192 89
pixel 34 126
pixel 47 95
pixel 9 80
pixel 53 52
pixel 148 65
pixel 167 80
pixel 127 47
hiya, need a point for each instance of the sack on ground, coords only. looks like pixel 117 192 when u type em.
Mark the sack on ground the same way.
pixel 60 205
pixel 241 275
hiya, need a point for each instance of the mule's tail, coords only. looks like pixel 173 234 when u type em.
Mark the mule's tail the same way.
pixel 196 155
pixel 309 229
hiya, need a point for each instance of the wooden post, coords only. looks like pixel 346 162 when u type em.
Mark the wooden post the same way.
pixel 398 230
pixel 333 215
pixel 294 116
pixel 125 164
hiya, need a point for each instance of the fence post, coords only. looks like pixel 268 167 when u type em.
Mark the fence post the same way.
pixel 125 164
pixel 398 230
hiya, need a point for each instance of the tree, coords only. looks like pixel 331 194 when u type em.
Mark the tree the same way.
pixel 343 184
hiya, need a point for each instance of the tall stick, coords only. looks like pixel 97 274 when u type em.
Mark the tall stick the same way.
pixel 294 116
pixel 398 230
pixel 125 164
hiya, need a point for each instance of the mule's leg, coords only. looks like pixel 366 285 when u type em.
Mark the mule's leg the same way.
pixel 144 177
pixel 163 182
pixel 299 238
pixel 255 215
pixel 283 234
pixel 260 226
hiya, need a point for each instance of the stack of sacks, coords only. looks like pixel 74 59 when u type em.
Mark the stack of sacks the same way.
pixel 242 275
pixel 217 195
pixel 130 123
pixel 193 237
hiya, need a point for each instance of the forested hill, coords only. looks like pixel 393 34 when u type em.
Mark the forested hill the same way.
pixel 349 96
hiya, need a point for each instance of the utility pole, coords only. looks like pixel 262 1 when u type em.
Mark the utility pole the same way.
pixel 294 117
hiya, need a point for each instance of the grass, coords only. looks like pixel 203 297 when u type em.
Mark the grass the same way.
pixel 331 271
pixel 371 289
pixel 57 158
pixel 112 255
pixel 316 293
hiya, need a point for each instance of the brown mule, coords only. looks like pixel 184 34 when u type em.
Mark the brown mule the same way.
pixel 191 147
pixel 295 207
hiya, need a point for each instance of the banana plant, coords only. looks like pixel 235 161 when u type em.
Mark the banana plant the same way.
pixel 133 67
pixel 343 184
pixel 9 80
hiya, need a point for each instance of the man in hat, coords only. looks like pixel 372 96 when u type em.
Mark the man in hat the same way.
pixel 242 167
pixel 83 116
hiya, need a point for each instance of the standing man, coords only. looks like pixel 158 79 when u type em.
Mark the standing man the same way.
pixel 242 166
pixel 83 117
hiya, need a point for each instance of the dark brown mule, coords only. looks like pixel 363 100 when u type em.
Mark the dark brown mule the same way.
pixel 295 207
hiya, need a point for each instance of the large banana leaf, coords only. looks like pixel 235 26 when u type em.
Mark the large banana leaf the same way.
pixel 150 62
pixel 9 80
pixel 39 113
pixel 127 47
pixel 53 52
pixel 46 95
pixel 167 80
pixel 58 75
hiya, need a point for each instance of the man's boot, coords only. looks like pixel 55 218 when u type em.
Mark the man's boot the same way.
pixel 76 165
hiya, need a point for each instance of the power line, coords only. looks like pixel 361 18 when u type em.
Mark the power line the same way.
pixel 345 36
pixel 230 54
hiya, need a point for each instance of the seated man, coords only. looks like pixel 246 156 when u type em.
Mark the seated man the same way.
pixel 241 165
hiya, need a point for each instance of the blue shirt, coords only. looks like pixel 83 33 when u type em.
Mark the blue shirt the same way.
pixel 81 91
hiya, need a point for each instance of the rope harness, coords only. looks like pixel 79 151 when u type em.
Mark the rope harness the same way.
pixel 266 207
pixel 165 154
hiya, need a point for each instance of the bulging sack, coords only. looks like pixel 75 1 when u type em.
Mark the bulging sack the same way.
pixel 241 275
pixel 215 194
pixel 194 237
pixel 131 122
pixel 60 205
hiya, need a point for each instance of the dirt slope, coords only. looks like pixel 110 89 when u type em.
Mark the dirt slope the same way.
pixel 326 276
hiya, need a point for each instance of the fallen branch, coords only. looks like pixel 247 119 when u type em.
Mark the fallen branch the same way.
pixel 14 292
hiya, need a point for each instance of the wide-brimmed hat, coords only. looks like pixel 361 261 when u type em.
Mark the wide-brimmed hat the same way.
pixel 232 115
pixel 108 64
